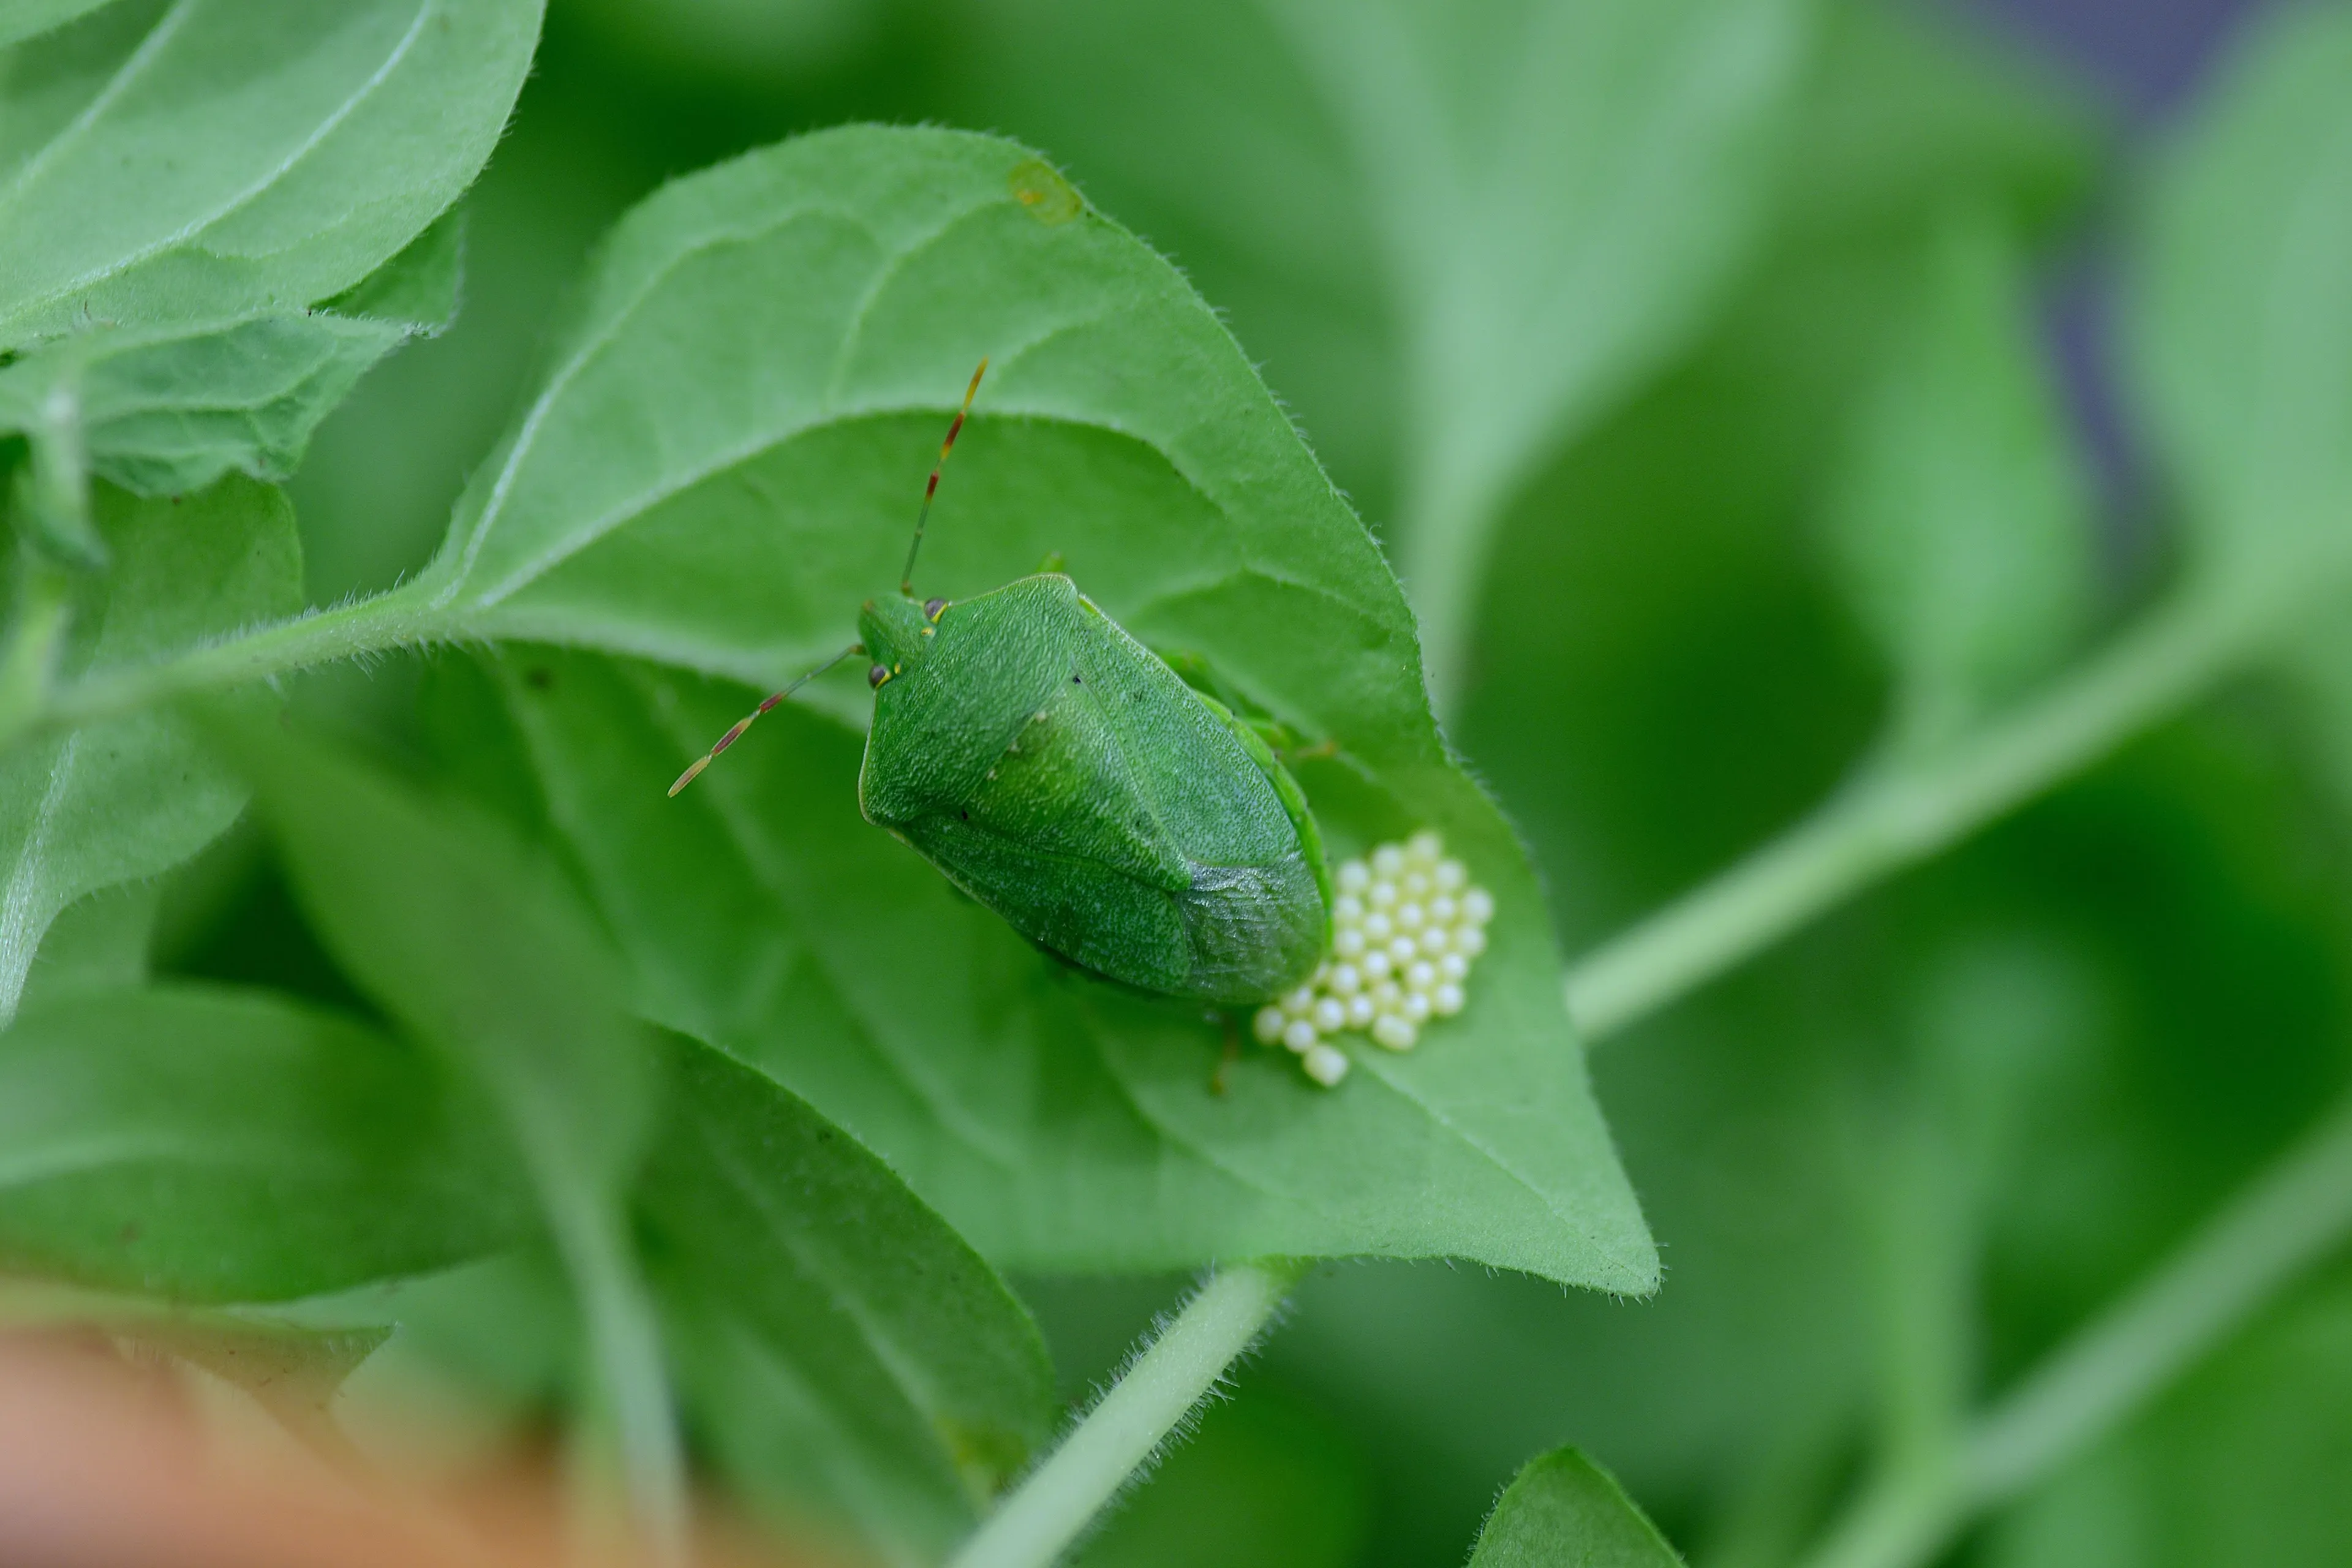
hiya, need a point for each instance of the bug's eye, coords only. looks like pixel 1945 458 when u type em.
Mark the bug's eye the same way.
pixel 877 675
pixel 931 608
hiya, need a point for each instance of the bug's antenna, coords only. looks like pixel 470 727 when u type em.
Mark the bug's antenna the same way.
pixel 736 730
pixel 907 582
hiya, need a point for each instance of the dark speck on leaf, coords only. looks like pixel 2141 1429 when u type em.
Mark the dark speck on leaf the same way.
pixel 538 678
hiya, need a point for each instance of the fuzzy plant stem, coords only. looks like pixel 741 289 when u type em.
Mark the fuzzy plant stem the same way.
pixel 402 618
pixel 2287 1220
pixel 1052 1508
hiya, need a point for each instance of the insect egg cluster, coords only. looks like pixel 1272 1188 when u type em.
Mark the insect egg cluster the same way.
pixel 1406 926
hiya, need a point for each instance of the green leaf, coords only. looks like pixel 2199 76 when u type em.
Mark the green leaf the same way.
pixel 719 470
pixel 418 289
pixel 1565 1509
pixel 1550 198
pixel 215 1145
pixel 841 1348
pixel 171 409
pixel 168 409
pixel 2242 325
pixel 1960 524
pixel 2241 1464
pixel 22 18
pixel 198 350
pixel 459 931
pixel 1202 130
pixel 467 939
pixel 2320 665
pixel 211 159
pixel 1059 1122
pixel 1560 193
pixel 132 796
pixel 95 945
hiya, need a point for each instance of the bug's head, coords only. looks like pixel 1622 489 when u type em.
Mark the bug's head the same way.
pixel 897 635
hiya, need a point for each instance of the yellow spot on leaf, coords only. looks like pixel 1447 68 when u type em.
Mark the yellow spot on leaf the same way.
pixel 1039 186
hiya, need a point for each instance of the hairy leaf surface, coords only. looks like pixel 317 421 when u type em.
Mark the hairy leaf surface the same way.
pixel 1565 1508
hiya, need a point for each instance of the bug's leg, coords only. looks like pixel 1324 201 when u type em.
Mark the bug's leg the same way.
pixel 1053 562
pixel 1222 1078
pixel 1326 747
pixel 735 730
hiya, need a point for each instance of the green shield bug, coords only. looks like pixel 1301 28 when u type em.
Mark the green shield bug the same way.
pixel 1060 773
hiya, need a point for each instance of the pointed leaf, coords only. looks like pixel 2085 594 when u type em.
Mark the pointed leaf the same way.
pixel 1565 1509
pixel 1057 1121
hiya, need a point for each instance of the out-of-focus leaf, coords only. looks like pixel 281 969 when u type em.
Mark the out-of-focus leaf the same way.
pixel 2320 664
pixel 210 159
pixel 1668 680
pixel 843 1351
pixel 465 937
pixel 2241 324
pixel 719 471
pixel 1265 1483
pixel 217 1145
pixel 1906 109
pixel 1960 524
pixel 96 944
pixel 458 931
pixel 131 796
pixel 290 1368
pixel 1565 1512
pixel 2244 1463
pixel 1559 192
pixel 23 18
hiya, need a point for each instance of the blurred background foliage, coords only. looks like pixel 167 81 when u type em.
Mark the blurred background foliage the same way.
pixel 2097 1019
